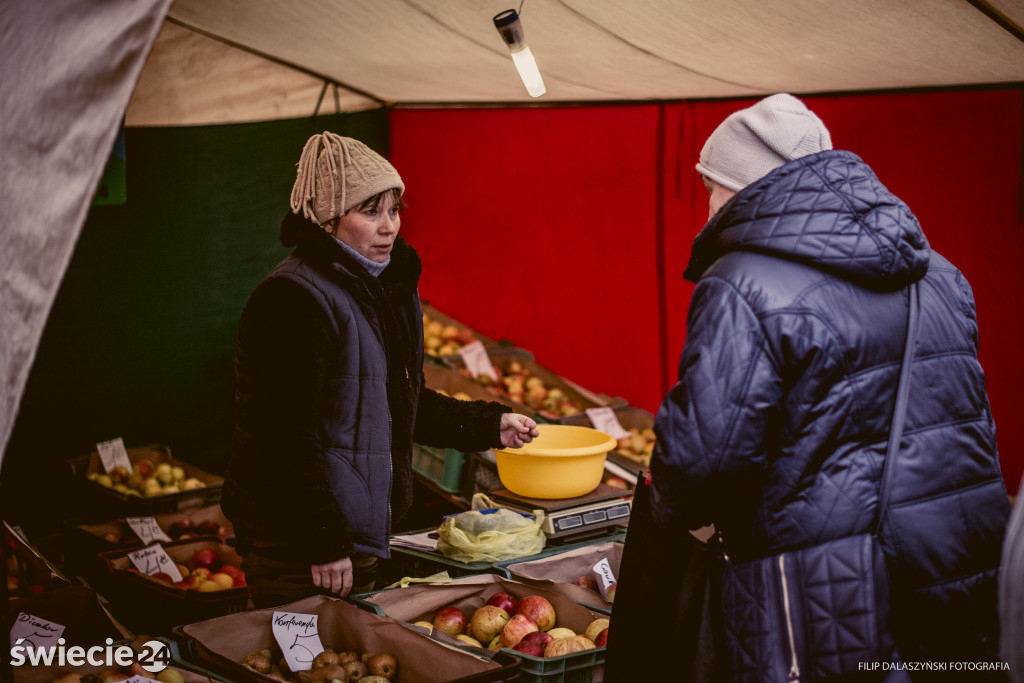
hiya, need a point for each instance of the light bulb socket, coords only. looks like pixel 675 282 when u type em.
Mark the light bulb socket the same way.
pixel 510 29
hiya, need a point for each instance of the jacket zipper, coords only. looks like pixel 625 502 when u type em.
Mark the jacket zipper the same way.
pixel 794 666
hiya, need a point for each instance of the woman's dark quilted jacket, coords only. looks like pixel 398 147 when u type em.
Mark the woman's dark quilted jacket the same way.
pixel 329 396
pixel 776 431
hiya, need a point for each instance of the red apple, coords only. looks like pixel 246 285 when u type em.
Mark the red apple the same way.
pixel 515 628
pixel 163 576
pixel 538 609
pixel 602 638
pixel 534 649
pixel 231 570
pixel 586 582
pixel 609 593
pixel 145 467
pixel 541 637
pixel 204 557
pixel 201 572
pixel 451 620
pixel 504 601
pixel 487 622
pixel 179 527
pixel 207 528
pixel 181 584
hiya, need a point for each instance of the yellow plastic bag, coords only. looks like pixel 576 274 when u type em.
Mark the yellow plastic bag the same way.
pixel 488 533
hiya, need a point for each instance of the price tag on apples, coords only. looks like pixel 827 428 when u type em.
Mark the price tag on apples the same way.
pixel 604 420
pixel 606 581
pixel 474 355
pixel 299 638
pixel 113 454
pixel 153 560
pixel 147 529
pixel 32 632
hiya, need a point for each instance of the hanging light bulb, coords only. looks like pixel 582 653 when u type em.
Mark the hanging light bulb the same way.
pixel 511 31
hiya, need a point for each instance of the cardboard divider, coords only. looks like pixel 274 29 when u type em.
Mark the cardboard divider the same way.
pixel 557 572
pixel 222 643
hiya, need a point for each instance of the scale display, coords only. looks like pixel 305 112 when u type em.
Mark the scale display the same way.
pixel 603 507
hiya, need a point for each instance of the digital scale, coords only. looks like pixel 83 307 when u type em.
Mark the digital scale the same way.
pixel 584 515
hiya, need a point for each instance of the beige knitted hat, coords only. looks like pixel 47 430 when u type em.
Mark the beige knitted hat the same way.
pixel 752 142
pixel 337 173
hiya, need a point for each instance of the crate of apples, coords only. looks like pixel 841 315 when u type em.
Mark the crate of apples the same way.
pixel 209 570
pixel 526 384
pixel 528 625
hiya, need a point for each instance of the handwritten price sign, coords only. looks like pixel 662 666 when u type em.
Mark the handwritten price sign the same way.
pixel 153 560
pixel 474 355
pixel 34 632
pixel 603 418
pixel 147 529
pixel 113 454
pixel 299 638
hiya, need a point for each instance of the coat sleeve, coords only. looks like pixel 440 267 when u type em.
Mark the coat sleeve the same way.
pixel 286 340
pixel 712 426
pixel 446 422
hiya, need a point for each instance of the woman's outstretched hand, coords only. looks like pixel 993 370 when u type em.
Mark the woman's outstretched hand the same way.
pixel 517 430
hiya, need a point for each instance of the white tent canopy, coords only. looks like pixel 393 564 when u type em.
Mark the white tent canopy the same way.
pixel 213 61
pixel 70 68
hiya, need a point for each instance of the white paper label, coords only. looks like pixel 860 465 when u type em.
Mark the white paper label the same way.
pixel 605 577
pixel 147 529
pixel 140 679
pixel 153 560
pixel 604 420
pixel 113 453
pixel 299 639
pixel 35 633
pixel 474 355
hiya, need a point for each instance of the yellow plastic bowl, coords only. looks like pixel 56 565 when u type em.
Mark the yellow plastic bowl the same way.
pixel 563 462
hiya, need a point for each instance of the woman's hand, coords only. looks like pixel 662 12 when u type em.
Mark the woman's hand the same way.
pixel 517 430
pixel 334 576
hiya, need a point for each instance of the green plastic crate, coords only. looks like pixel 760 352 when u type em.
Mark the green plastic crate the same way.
pixel 443 467
pixel 578 667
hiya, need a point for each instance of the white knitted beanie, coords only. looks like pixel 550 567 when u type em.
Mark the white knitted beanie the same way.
pixel 752 142
pixel 336 173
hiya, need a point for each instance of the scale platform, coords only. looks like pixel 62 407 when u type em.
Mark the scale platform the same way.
pixel 603 507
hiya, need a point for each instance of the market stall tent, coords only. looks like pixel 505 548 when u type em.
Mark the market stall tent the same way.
pixel 631 88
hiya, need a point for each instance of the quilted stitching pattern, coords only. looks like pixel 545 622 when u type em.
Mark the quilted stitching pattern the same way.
pixel 776 429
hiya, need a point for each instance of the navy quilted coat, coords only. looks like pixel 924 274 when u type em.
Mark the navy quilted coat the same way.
pixel 776 430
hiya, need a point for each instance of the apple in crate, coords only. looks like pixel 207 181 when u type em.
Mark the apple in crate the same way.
pixel 487 622
pixel 204 557
pixel 451 620
pixel 567 646
pixel 601 639
pixel 503 600
pixel 538 609
pixel 515 628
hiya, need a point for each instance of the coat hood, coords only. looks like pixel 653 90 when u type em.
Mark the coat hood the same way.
pixel 827 210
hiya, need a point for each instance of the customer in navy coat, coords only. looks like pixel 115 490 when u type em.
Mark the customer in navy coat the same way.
pixel 776 431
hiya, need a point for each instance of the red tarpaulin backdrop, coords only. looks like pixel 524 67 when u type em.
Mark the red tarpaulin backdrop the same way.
pixel 566 230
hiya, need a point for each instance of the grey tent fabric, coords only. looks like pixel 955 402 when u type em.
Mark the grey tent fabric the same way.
pixel 69 67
